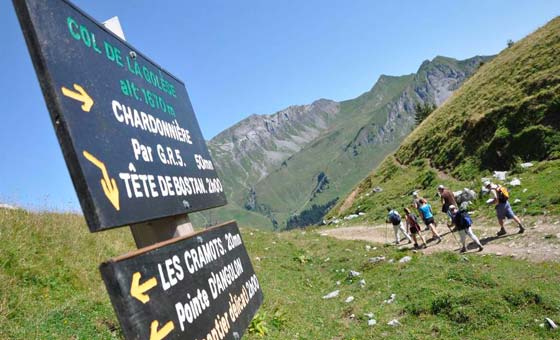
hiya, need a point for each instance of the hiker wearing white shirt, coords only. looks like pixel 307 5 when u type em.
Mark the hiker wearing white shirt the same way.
pixel 395 218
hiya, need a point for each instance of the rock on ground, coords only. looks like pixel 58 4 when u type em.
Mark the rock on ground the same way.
pixel 332 294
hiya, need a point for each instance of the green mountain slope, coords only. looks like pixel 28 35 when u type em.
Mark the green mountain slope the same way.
pixel 304 158
pixel 506 114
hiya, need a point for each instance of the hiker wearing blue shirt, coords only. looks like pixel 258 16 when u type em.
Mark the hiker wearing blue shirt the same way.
pixel 395 218
pixel 425 210
pixel 463 222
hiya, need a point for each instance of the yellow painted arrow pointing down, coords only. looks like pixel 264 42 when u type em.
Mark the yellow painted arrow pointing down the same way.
pixel 138 290
pixel 156 334
pixel 81 96
pixel 108 184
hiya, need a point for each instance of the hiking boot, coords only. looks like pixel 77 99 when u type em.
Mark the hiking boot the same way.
pixel 416 246
pixel 439 239
pixel 501 232
pixel 480 248
pixel 521 229
pixel 425 246
pixel 463 250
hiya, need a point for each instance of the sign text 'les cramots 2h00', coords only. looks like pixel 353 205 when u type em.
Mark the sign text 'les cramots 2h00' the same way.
pixel 200 287
pixel 126 126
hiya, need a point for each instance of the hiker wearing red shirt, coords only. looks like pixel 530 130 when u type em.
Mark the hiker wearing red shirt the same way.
pixel 414 228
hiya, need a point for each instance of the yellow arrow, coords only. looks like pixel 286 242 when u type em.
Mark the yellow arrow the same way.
pixel 81 96
pixel 156 334
pixel 108 184
pixel 138 290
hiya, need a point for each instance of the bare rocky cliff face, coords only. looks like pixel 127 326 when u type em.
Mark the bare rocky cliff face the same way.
pixel 261 142
pixel 258 157
pixel 434 82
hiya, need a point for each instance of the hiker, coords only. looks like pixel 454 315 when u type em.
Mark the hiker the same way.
pixel 416 201
pixel 414 228
pixel 395 218
pixel 463 223
pixel 447 199
pixel 500 198
pixel 427 215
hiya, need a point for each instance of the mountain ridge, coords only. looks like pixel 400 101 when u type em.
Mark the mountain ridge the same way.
pixel 272 164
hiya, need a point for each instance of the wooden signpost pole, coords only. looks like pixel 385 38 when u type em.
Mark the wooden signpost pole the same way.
pixel 148 233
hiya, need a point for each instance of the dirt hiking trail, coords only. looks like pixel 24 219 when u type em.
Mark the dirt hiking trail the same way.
pixel 540 242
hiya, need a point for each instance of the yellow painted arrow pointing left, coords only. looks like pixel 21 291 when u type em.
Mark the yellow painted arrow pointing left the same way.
pixel 159 334
pixel 81 95
pixel 138 290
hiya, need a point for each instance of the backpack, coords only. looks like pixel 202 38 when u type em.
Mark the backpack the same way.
pixel 503 194
pixel 394 218
pixel 466 220
pixel 414 219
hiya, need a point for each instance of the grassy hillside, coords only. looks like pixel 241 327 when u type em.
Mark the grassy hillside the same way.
pixel 52 290
pixel 506 114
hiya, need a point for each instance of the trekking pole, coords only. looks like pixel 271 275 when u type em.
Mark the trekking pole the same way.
pixel 386 227
pixel 455 237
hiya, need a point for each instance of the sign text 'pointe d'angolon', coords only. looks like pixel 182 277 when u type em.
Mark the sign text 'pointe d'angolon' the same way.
pixel 126 127
pixel 199 287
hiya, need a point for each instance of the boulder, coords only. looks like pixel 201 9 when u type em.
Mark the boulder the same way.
pixel 515 182
pixel 500 175
pixel 405 260
pixel 550 323
pixel 331 295
pixel 394 323
pixel 376 259
pixel 465 195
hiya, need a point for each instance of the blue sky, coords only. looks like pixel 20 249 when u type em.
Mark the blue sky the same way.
pixel 243 57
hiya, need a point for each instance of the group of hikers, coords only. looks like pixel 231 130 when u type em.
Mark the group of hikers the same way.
pixel 456 216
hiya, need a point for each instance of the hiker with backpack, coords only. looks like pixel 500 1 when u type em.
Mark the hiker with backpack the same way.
pixel 427 215
pixel 463 222
pixel 395 218
pixel 500 198
pixel 414 228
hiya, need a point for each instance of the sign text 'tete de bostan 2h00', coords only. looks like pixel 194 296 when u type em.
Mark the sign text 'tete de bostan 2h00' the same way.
pixel 127 129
